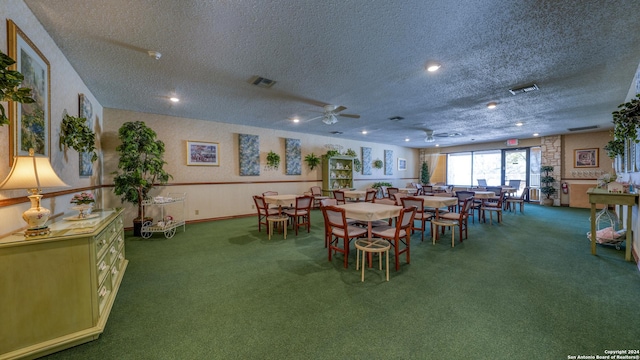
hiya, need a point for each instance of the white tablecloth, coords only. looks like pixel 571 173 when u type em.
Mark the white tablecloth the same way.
pixel 369 212
pixel 355 194
pixel 407 190
pixel 438 201
pixel 281 200
pixel 484 194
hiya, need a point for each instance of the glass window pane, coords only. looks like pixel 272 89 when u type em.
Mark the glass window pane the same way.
pixel 487 165
pixel 459 169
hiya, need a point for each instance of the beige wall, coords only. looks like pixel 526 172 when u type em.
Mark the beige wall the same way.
pixel 205 194
pixel 66 85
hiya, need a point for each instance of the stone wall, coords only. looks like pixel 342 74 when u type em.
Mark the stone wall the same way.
pixel 552 156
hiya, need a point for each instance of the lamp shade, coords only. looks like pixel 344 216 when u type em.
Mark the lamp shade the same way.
pixel 31 172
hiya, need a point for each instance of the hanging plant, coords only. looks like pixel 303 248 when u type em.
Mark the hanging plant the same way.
pixel 273 160
pixel 614 148
pixel 312 160
pixel 626 120
pixel 357 164
pixel 76 134
pixel 378 164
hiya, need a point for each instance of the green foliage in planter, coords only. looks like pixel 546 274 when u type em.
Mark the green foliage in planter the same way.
pixel 424 173
pixel 312 160
pixel 140 167
pixel 547 181
pixel 357 164
pixel 378 164
pixel 273 160
pixel 614 148
pixel 76 134
pixel 331 153
pixel 380 184
pixel 626 120
pixel 10 81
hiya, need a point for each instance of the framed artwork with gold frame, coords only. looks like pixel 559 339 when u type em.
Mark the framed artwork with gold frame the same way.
pixel 30 124
pixel 585 158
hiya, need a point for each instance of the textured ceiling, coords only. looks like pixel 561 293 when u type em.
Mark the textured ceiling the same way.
pixel 369 56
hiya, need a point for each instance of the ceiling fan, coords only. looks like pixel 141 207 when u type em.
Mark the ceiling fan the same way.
pixel 331 112
pixel 429 137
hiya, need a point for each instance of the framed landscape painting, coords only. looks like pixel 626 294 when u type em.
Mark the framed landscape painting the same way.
pixel 203 153
pixel 30 123
pixel 402 164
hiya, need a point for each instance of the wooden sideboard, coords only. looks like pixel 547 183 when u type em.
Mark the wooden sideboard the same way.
pixel 57 290
pixel 602 196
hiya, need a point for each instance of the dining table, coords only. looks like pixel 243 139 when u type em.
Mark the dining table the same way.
pixel 438 202
pixel 281 200
pixel 407 190
pixel 354 194
pixel 483 196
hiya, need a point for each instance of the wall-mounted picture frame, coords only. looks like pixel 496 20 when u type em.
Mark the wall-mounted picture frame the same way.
pixel 585 158
pixel 30 124
pixel 402 164
pixel 203 153
pixel 85 110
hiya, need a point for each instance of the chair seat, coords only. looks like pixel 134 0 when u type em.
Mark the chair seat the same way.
pixel 353 231
pixel 293 212
pixel 375 223
pixel 449 216
pixel 386 231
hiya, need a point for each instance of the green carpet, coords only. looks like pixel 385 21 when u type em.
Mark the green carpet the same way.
pixel 528 288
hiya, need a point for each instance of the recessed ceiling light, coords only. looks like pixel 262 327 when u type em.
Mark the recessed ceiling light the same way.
pixel 295 120
pixel 518 124
pixel 407 139
pixel 174 99
pixel 433 67
pixel 437 145
pixel 492 105
pixel 364 132
pixel 536 134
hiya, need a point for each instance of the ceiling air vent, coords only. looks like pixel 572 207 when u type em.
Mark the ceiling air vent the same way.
pixel 524 89
pixel 454 134
pixel 583 128
pixel 259 81
pixel 396 118
pixel 336 132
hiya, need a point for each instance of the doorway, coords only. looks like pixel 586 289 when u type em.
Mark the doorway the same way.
pixel 516 167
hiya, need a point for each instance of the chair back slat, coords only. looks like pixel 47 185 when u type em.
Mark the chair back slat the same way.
pixel 328 202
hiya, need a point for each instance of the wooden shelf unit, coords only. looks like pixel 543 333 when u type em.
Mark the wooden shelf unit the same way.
pixel 337 173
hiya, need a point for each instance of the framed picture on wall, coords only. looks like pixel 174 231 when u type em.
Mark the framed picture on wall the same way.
pixel 203 153
pixel 585 158
pixel 402 164
pixel 30 123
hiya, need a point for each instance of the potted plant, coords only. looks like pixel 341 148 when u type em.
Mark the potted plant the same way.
pixel 10 81
pixel 378 164
pixel 331 153
pixel 547 187
pixel 357 164
pixel 614 148
pixel 140 167
pixel 312 160
pixel 76 134
pixel 273 160
pixel 378 185
pixel 425 177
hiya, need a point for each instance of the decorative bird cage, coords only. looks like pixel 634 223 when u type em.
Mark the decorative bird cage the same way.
pixel 609 228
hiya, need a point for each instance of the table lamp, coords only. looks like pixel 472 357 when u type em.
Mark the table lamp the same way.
pixel 33 173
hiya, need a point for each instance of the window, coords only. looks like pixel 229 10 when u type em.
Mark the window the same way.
pixel 487 165
pixel 459 169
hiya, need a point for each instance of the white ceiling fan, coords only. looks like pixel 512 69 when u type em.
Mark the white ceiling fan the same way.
pixel 429 137
pixel 331 113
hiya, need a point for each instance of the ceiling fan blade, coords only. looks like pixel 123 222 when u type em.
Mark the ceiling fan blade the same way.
pixel 313 118
pixel 353 116
pixel 338 109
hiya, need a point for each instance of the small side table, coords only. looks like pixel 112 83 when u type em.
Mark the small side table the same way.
pixel 375 245
pixel 275 219
pixel 444 222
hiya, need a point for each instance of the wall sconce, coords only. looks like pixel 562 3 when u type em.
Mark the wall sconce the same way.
pixel 33 173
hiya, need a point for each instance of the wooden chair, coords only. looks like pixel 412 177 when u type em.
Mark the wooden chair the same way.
pixel 327 229
pixel 263 211
pixel 370 195
pixel 427 189
pixel 270 193
pixel 462 195
pixel 385 193
pixel 462 217
pixel 392 190
pixel 301 214
pixel 421 215
pixel 316 192
pixel 398 235
pixel 509 201
pixel 482 183
pixel 336 220
pixel 492 207
pixel 339 196
pixel 397 197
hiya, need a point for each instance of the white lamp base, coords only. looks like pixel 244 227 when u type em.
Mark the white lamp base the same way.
pixel 36 217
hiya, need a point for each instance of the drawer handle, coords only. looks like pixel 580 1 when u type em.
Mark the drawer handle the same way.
pixel 120 257
pixel 102 266
pixel 114 271
pixel 113 250
pixel 103 291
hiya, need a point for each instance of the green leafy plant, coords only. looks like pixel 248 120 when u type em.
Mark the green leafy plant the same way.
pixel 378 164
pixel 380 184
pixel 141 163
pixel 10 89
pixel 331 153
pixel 273 160
pixel 76 134
pixel 626 120
pixel 614 148
pixel 547 181
pixel 357 164
pixel 424 173
pixel 312 160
